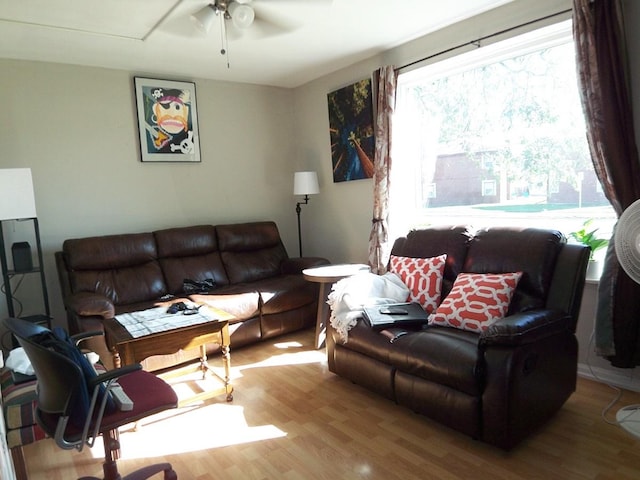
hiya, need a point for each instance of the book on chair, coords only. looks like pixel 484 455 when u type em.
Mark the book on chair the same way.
pixel 395 315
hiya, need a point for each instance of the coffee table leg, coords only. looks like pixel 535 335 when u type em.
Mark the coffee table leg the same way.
pixel 203 360
pixel 225 342
pixel 226 361
pixel 117 362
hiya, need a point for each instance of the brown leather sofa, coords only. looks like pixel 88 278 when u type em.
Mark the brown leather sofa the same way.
pixel 255 280
pixel 498 386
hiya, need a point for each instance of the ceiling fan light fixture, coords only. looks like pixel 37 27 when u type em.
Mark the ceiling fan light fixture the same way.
pixel 203 19
pixel 242 15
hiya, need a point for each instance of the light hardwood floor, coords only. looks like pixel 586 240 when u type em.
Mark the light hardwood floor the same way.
pixel 293 419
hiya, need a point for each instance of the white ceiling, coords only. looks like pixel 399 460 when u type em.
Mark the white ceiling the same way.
pixel 290 43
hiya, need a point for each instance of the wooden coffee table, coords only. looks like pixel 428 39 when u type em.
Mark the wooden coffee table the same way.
pixel 128 350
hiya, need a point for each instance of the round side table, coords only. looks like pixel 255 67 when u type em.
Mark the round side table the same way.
pixel 326 276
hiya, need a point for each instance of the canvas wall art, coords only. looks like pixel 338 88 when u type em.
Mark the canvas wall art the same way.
pixel 351 131
pixel 167 120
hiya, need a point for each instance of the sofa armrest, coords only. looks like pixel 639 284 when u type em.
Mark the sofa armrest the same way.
pixel 297 264
pixel 526 327
pixel 87 304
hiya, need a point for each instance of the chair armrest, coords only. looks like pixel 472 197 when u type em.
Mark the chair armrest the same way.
pixel 114 374
pixel 296 265
pixel 87 304
pixel 79 337
pixel 526 327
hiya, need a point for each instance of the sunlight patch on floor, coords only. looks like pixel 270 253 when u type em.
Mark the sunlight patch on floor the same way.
pixel 298 356
pixel 295 358
pixel 200 426
pixel 190 429
pixel 284 345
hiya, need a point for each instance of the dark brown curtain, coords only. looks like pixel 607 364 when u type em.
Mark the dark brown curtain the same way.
pixel 604 88
pixel 385 82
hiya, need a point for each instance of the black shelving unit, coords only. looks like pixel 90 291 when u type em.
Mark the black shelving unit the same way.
pixel 43 318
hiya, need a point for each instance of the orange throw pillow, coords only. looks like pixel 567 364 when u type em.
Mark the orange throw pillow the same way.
pixel 423 277
pixel 476 301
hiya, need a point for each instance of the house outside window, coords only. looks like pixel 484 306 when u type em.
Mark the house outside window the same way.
pixel 499 133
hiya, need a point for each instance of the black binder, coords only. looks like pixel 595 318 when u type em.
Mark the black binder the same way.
pixel 395 315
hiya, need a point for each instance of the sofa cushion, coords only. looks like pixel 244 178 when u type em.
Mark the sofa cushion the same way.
pixel 423 277
pixel 189 253
pixel 476 301
pixel 123 268
pixel 285 292
pixel 441 355
pixel 434 241
pixel 531 251
pixel 241 305
pixel 365 340
pixel 251 251
pixel 123 286
pixel 109 251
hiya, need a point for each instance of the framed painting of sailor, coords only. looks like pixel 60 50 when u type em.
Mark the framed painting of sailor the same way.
pixel 167 120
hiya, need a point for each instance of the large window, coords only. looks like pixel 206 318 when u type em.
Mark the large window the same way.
pixel 496 137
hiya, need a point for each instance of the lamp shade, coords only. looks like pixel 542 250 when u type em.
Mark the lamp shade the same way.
pixel 241 15
pixel 16 194
pixel 203 18
pixel 305 183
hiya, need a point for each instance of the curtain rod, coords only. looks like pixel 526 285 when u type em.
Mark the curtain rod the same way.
pixel 486 37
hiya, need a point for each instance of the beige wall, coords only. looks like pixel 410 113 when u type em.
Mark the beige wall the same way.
pixel 75 127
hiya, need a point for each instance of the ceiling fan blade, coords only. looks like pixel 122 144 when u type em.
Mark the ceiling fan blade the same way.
pixel 272 23
pixel 283 16
pixel 181 26
pixel 292 3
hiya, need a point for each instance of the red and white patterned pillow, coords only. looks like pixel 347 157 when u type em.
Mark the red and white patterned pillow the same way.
pixel 476 300
pixel 423 277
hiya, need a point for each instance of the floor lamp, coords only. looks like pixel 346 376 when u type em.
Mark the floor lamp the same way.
pixel 304 183
pixel 17 202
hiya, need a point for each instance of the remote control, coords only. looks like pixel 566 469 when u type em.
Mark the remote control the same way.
pixel 122 400
pixel 394 311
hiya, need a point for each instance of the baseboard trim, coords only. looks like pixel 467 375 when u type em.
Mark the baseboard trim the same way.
pixel 624 378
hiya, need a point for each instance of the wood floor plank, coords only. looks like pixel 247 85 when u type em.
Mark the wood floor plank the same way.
pixel 293 419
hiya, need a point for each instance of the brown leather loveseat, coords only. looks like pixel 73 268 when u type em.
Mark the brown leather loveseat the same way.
pixel 497 386
pixel 254 279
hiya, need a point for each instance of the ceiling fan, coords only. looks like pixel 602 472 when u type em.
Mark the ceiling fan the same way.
pixel 241 13
pixel 267 17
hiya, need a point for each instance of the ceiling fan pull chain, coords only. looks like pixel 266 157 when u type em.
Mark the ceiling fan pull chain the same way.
pixel 223 38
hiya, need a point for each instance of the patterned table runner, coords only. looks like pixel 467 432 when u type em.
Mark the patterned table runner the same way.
pixel 155 320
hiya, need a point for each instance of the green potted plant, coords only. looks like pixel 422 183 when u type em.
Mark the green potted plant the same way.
pixel 588 236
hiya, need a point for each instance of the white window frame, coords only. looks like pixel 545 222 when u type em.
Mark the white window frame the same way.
pixel 410 141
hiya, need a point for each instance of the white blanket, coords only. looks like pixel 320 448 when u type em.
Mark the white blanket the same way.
pixel 351 294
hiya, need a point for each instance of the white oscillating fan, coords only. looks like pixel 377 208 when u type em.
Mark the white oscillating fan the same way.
pixel 627 245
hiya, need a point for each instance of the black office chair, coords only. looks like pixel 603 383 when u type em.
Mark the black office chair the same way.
pixel 60 385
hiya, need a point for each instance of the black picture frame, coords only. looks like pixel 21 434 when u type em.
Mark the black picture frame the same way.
pixel 167 120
